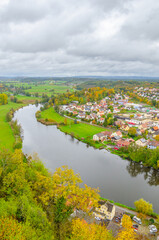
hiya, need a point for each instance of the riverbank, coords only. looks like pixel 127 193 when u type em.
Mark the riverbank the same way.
pixel 84 132
pixel 81 131
pixel 7 138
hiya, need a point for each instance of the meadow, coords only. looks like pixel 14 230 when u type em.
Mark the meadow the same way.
pixel 6 134
pixel 54 116
pixel 82 130
pixel 48 87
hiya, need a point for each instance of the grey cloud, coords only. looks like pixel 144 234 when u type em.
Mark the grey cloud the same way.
pixel 50 37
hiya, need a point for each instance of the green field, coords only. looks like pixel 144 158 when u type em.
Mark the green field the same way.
pixel 6 134
pixel 26 99
pixel 49 87
pixel 52 115
pixel 82 130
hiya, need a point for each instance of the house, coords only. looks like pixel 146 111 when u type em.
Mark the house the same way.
pixel 98 136
pixel 143 126
pixel 102 135
pixel 153 144
pixel 116 134
pixel 105 210
pixel 81 115
pixel 101 113
pixel 101 120
pixel 155 128
pixel 141 142
pixel 123 143
pixel 124 127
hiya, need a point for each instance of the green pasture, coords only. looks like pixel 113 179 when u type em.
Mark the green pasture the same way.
pixel 82 130
pixel 48 88
pixel 52 115
pixel 6 134
pixel 27 99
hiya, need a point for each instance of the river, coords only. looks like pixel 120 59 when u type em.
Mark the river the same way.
pixel 120 180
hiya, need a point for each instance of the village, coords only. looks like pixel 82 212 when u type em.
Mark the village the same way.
pixel 126 122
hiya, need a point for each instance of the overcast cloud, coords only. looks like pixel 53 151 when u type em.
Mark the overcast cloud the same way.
pixel 72 38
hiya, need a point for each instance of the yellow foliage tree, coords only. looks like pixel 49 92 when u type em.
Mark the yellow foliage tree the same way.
pixel 143 206
pixel 11 229
pixel 127 232
pixel 3 99
pixel 81 230
pixel 157 138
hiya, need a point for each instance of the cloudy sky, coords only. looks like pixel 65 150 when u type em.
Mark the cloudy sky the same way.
pixel 79 37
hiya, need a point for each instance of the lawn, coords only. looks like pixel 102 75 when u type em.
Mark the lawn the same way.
pixel 52 115
pixel 82 129
pixel 6 134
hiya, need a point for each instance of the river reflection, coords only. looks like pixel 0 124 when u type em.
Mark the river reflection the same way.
pixel 151 175
pixel 120 180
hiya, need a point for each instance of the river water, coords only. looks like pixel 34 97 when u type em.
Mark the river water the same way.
pixel 120 180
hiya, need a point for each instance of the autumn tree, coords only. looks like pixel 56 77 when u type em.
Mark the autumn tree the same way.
pixel 81 230
pixel 60 194
pixel 127 231
pixel 11 229
pixel 132 131
pixel 157 138
pixel 143 206
pixel 65 121
pixel 3 99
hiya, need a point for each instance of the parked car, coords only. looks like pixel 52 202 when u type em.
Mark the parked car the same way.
pixel 138 220
pixel 135 226
pixel 97 218
pixel 152 228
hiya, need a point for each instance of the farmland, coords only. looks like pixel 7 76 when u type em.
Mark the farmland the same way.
pixel 48 87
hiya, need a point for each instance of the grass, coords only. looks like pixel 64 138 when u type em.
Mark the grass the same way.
pixel 27 99
pixel 6 134
pixel 48 87
pixel 52 115
pixel 82 130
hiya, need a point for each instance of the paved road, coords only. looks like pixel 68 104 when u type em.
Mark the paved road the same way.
pixel 121 209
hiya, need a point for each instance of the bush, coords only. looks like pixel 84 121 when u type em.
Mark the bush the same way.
pixel 143 207
pixel 17 145
pixel 151 221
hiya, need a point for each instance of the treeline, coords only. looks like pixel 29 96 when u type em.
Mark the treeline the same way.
pixel 83 96
pixel 148 157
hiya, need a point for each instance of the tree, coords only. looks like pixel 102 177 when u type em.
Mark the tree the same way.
pixel 127 232
pixel 143 207
pixel 132 131
pixel 11 229
pixel 3 99
pixel 60 194
pixel 157 138
pixel 65 121
pixel 81 230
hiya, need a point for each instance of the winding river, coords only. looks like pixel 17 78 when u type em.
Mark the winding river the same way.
pixel 120 180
